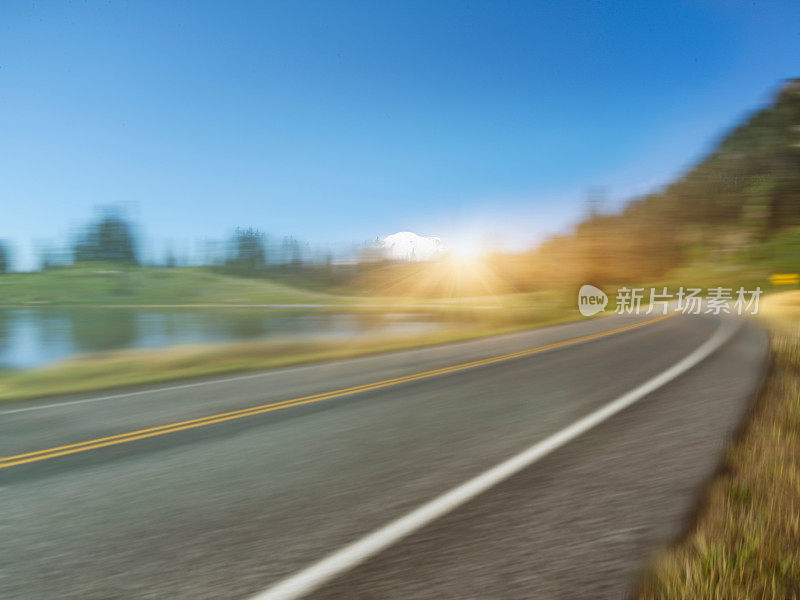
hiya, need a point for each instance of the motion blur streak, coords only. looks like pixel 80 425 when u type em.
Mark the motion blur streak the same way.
pixel 38 455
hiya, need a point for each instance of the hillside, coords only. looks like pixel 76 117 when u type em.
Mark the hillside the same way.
pixel 741 202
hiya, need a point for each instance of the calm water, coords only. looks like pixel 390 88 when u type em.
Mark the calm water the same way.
pixel 31 337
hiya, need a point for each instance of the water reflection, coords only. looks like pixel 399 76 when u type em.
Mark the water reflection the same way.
pixel 33 337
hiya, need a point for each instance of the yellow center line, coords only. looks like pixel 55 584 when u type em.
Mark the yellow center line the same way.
pixel 122 438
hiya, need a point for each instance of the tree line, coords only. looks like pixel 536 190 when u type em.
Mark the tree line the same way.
pixel 112 238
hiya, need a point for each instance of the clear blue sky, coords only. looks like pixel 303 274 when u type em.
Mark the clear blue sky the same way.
pixel 341 121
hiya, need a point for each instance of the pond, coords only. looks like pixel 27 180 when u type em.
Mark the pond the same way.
pixel 32 337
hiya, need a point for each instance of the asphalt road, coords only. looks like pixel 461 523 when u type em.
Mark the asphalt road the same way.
pixel 228 507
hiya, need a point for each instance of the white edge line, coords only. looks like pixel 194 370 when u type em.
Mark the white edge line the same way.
pixel 317 574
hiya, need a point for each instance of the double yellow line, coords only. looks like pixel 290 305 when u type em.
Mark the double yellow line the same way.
pixel 131 436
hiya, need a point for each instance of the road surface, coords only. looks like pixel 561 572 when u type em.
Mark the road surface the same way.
pixel 234 487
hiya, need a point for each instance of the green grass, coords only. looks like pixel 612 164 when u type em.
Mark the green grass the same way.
pixel 746 542
pixel 111 284
pixel 114 285
pixel 780 253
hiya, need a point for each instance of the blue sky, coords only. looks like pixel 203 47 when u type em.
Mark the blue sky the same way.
pixel 340 121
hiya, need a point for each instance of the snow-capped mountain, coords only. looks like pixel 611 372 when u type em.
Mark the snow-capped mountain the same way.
pixel 410 246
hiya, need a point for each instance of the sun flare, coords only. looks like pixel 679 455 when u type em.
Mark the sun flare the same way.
pixel 467 251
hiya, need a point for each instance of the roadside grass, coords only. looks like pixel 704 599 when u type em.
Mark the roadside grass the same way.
pixel 745 543
pixel 118 369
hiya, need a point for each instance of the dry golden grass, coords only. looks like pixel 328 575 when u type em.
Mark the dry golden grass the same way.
pixel 746 541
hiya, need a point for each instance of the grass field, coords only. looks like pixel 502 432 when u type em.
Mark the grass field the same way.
pixel 102 285
pixel 746 542
pixel 114 285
